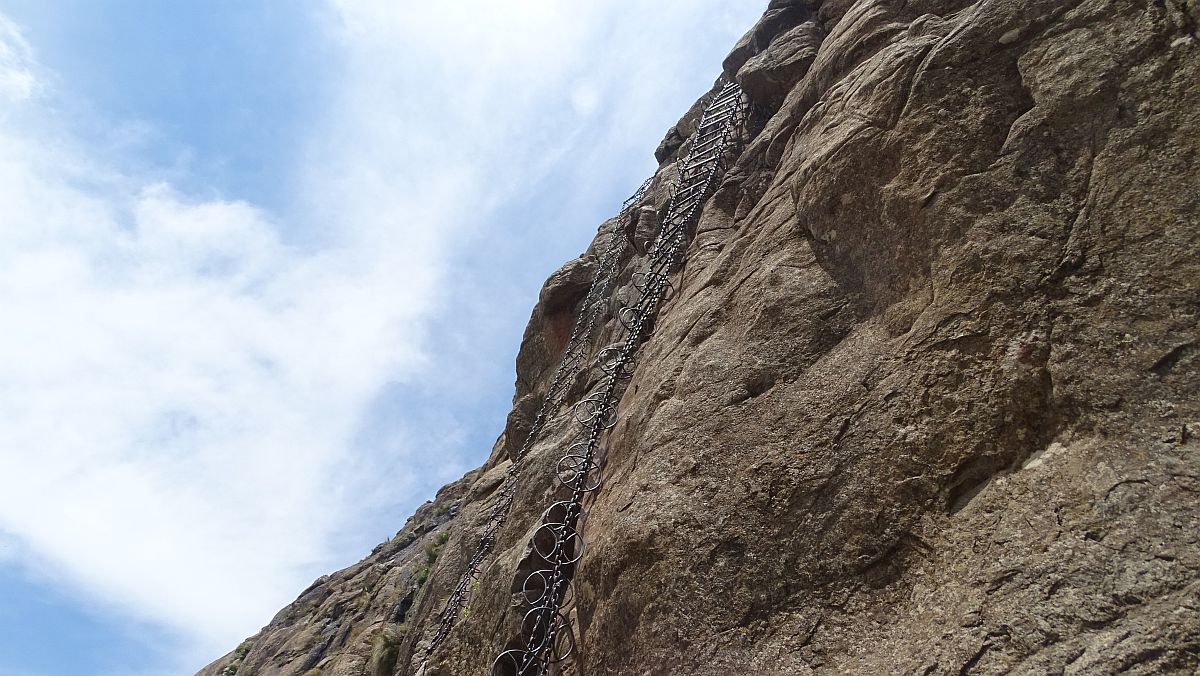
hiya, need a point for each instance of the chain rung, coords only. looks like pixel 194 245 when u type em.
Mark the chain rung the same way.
pixel 561 544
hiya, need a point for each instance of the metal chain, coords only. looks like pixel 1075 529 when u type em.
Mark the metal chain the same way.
pixel 594 302
pixel 557 544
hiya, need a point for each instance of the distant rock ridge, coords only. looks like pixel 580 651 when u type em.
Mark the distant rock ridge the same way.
pixel 926 399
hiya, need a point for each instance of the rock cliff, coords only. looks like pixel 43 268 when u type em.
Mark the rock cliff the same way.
pixel 925 400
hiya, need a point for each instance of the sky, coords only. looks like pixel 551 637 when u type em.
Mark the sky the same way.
pixel 264 269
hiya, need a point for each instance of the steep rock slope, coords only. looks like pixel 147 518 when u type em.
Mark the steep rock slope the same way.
pixel 927 396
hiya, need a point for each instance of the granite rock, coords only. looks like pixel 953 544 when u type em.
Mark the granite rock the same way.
pixel 926 399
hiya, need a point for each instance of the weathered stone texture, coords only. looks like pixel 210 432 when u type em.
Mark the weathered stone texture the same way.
pixel 926 399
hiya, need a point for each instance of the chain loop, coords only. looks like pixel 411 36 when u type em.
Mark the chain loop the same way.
pixel 593 304
pixel 557 544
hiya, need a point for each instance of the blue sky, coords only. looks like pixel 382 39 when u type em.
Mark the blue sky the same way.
pixel 264 270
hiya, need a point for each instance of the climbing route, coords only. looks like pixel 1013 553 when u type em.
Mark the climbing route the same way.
pixel 593 304
pixel 557 544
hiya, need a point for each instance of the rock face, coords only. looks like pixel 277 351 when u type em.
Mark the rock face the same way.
pixel 926 399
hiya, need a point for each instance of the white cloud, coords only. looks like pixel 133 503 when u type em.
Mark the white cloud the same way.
pixel 16 77
pixel 182 379
pixel 178 385
pixel 585 99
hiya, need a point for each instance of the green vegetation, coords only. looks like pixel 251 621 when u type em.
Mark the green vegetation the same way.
pixel 466 611
pixel 433 547
pixel 385 650
pixel 235 660
pixel 239 653
pixel 362 600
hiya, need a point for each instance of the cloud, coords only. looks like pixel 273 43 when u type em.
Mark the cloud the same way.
pixel 179 382
pixel 187 381
pixel 16 78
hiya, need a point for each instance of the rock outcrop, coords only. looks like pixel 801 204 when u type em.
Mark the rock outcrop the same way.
pixel 926 399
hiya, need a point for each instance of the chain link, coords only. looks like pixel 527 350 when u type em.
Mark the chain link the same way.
pixel 557 544
pixel 610 248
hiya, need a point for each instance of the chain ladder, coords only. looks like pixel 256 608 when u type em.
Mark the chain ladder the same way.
pixel 593 304
pixel 557 544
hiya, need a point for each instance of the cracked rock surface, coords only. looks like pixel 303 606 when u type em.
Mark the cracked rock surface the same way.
pixel 926 399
